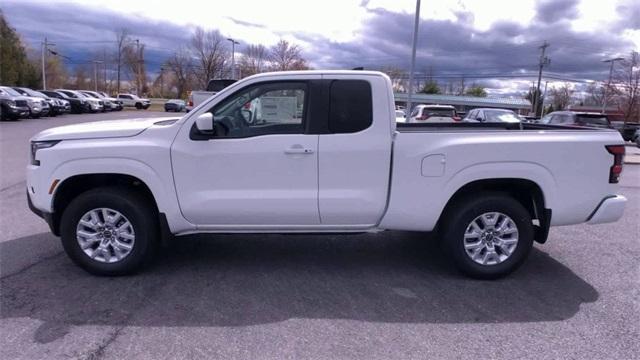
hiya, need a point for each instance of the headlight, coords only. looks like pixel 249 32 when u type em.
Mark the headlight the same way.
pixel 38 145
pixel 11 103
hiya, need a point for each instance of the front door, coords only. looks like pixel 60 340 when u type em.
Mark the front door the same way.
pixel 258 169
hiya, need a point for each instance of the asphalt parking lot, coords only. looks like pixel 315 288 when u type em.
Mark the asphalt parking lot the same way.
pixel 373 296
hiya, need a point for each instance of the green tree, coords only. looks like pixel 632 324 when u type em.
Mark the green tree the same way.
pixel 477 91
pixel 530 96
pixel 15 68
pixel 431 87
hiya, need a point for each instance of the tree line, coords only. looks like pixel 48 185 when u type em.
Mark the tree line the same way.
pixel 123 68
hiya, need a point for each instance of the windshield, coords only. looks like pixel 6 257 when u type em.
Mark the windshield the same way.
pixel 10 91
pixel 35 93
pixel 88 94
pixel 593 120
pixel 501 116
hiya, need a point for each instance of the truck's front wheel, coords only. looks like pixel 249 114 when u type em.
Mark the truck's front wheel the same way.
pixel 109 231
pixel 488 236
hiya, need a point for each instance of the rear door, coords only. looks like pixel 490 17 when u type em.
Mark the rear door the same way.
pixel 355 151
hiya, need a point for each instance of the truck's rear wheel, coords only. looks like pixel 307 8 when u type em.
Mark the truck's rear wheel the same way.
pixel 488 236
pixel 109 231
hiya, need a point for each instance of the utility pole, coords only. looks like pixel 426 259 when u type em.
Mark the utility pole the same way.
pixel 44 73
pixel 95 74
pixel 544 61
pixel 161 81
pixel 233 57
pixel 416 22
pixel 138 60
pixel 44 49
pixel 544 97
pixel 604 101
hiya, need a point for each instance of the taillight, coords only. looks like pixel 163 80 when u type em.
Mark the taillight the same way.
pixel 457 118
pixel 423 117
pixel 616 169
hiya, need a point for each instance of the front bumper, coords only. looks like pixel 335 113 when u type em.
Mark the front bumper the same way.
pixel 18 111
pixel 609 210
pixel 47 217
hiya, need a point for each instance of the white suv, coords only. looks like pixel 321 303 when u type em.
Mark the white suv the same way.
pixel 134 101
pixel 434 113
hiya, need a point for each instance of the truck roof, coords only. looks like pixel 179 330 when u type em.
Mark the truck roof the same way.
pixel 320 72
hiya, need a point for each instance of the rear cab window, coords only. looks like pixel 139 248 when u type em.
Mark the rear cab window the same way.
pixel 351 106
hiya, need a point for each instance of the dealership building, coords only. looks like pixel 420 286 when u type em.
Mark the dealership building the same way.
pixel 466 103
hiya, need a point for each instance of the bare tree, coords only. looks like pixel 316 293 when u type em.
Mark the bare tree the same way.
pixel 133 57
pixel 122 39
pixel 180 67
pixel 81 77
pixel 398 77
pixel 627 87
pixel 562 96
pixel 595 95
pixel 211 52
pixel 253 60
pixel 56 72
pixel 285 56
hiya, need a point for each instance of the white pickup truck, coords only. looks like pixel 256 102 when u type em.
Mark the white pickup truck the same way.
pixel 197 97
pixel 326 157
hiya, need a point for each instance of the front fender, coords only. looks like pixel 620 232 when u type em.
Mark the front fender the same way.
pixel 163 191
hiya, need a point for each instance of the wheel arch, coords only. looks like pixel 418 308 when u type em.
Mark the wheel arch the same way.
pixel 71 187
pixel 527 192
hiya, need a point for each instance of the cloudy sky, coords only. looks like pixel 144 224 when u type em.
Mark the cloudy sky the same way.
pixel 494 41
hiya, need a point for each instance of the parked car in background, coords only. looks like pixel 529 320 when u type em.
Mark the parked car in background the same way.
pixel 130 100
pixel 36 105
pixel 573 118
pixel 489 115
pixel 106 104
pixel 116 105
pixel 76 105
pixel 176 105
pixel 626 129
pixel 89 104
pixel 401 116
pixel 12 107
pixel 55 108
pixel 636 137
pixel 214 86
pixel 434 113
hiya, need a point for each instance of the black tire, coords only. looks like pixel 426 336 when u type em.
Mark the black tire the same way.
pixel 137 209
pixel 460 215
pixel 138 106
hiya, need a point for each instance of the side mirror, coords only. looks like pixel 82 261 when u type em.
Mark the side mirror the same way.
pixel 204 122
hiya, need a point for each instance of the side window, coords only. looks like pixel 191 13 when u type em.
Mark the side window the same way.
pixel 351 106
pixel 546 119
pixel 262 109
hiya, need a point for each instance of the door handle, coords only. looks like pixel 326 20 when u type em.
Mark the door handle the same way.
pixel 298 150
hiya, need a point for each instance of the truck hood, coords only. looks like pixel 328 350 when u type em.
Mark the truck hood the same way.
pixel 101 129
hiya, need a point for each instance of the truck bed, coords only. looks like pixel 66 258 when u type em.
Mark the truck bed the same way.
pixel 469 126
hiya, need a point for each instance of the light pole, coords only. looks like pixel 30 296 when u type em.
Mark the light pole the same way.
pixel 233 57
pixel 138 61
pixel 95 74
pixel 604 101
pixel 416 22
